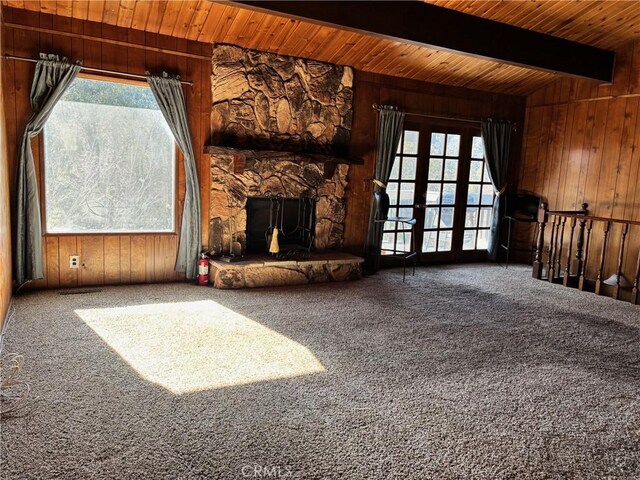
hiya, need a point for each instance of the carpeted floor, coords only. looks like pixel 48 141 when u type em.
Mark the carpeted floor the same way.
pixel 466 372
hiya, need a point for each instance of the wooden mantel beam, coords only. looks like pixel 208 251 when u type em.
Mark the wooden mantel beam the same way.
pixel 440 28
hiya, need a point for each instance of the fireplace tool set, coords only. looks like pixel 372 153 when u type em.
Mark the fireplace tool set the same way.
pixel 235 248
pixel 283 241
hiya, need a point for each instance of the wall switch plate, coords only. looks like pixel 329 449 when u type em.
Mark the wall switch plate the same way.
pixel 74 261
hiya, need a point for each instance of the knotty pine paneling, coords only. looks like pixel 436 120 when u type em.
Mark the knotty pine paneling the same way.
pixel 114 259
pixel 210 22
pixel 5 222
pixel 604 24
pixel 581 145
pixel 105 259
pixel 417 97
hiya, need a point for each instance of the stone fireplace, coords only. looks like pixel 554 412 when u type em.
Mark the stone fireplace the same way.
pixel 280 127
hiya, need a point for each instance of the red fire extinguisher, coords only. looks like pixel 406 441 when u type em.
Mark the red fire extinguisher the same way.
pixel 203 270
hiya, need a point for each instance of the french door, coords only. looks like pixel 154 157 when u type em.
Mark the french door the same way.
pixel 440 179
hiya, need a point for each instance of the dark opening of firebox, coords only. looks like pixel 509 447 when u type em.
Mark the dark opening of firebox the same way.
pixel 293 217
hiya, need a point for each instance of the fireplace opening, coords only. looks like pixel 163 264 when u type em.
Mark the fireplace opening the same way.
pixel 294 218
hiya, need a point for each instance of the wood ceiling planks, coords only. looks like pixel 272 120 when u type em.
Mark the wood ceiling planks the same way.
pixel 603 24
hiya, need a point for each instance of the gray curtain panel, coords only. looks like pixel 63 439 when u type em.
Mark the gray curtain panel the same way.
pixel 496 136
pixel 52 78
pixel 390 123
pixel 169 95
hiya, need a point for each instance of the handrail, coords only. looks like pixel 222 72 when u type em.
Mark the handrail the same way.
pixel 592 217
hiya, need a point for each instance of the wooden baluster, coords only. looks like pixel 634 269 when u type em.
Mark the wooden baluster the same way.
pixel 623 238
pixel 580 246
pixel 607 227
pixel 580 242
pixel 560 237
pixel 538 261
pixel 552 250
pixel 636 282
pixel 567 269
pixel 585 258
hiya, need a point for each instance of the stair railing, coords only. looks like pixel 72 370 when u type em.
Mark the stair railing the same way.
pixel 558 269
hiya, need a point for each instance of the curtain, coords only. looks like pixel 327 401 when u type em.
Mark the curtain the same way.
pixel 51 79
pixel 390 122
pixel 170 97
pixel 496 137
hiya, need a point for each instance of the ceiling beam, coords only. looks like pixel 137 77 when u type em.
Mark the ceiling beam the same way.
pixel 440 28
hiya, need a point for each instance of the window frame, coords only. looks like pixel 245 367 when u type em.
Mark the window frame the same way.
pixel 178 159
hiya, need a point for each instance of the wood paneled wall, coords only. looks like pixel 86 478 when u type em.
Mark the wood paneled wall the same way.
pixel 5 222
pixel 106 259
pixel 112 259
pixel 581 145
pixel 417 97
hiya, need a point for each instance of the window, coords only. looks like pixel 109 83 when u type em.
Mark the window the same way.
pixel 479 201
pixel 401 190
pixel 109 161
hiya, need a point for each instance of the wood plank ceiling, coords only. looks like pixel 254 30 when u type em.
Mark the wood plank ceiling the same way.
pixel 605 24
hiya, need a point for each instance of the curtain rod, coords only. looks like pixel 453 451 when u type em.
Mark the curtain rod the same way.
pixel 95 70
pixel 439 117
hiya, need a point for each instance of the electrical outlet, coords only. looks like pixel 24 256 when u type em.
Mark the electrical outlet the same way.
pixel 74 261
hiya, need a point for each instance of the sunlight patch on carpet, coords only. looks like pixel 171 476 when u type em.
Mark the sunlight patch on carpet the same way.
pixel 193 346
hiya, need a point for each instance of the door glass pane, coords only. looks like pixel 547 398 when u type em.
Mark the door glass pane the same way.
pixel 407 191
pixel 483 239
pixel 473 197
pixel 437 144
pixel 469 240
pixel 395 170
pixel 409 168
pixel 388 240
pixel 444 241
pixel 435 169
pixel 485 177
pixel 392 191
pixel 410 142
pixel 446 217
pixel 429 241
pixel 477 150
pixel 471 219
pixel 485 217
pixel 431 217
pixel 487 195
pixel 433 194
pixel 448 193
pixel 475 173
pixel 451 169
pixel 405 212
pixel 403 241
pixel 453 145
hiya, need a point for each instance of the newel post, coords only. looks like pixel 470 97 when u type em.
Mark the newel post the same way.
pixel 542 222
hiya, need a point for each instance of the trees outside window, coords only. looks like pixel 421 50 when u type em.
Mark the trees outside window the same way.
pixel 109 161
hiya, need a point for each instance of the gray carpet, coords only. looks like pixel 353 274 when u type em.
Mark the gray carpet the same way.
pixel 468 372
